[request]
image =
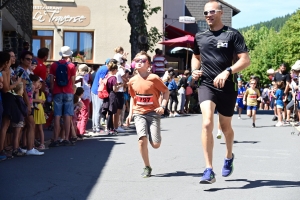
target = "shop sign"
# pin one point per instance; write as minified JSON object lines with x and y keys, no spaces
{"x":60,"y":16}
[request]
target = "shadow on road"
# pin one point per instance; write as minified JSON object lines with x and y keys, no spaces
{"x":243,"y":142}
{"x":67,"y":172}
{"x":178,"y":173}
{"x":258,"y":183}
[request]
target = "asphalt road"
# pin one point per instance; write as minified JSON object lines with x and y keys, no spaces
{"x":108,"y":167}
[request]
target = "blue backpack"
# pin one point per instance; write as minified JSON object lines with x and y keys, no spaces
{"x":62,"y":74}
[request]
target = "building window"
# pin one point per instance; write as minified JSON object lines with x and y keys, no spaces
{"x":202,"y":26}
{"x":81,"y":44}
{"x":42,"y":38}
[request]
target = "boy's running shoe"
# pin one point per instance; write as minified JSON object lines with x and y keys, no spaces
{"x":208,"y":176}
{"x":228,"y":167}
{"x":147,"y":172}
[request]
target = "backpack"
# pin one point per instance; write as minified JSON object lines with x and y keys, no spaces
{"x":102,"y":89}
{"x":62,"y":74}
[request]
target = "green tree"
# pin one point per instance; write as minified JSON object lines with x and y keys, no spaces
{"x":140,"y":37}
{"x":290,"y":39}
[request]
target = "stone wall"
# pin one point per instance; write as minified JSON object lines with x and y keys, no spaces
{"x":21,"y":10}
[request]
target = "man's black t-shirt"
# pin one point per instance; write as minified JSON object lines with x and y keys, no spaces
{"x":285,"y":77}
{"x":217,"y":50}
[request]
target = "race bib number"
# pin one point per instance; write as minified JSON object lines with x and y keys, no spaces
{"x":253,"y":96}
{"x":240,"y":96}
{"x":144,"y":100}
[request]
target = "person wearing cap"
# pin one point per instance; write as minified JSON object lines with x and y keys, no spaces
{"x":82,"y":80}
{"x":32,"y":67}
{"x":62,"y":96}
{"x":96,"y":101}
{"x":282,"y":75}
{"x":159,"y":63}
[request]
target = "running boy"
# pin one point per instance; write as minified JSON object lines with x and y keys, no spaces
{"x":145,"y":89}
{"x":239,"y":100}
{"x":252,"y":94}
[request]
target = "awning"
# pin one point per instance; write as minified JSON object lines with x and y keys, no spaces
{"x":174,"y":32}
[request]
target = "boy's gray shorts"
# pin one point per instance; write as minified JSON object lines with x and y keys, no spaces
{"x":148,"y":125}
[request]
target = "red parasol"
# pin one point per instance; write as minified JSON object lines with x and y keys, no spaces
{"x":185,"y":41}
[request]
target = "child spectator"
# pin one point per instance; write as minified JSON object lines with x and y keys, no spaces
{"x":77,"y":107}
{"x":252,"y":94}
{"x":17,"y":127}
{"x":172,"y":86}
{"x":39,"y":114}
{"x":82,"y":80}
{"x":279,"y":96}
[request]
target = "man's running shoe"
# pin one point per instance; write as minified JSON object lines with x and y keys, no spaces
{"x":147,"y":172}
{"x":219,"y":135}
{"x":228,"y":167}
{"x":274,"y":118}
{"x":239,"y":117}
{"x":279,"y":124}
{"x":208,"y":176}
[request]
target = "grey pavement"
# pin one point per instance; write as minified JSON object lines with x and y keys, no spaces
{"x":108,"y":167}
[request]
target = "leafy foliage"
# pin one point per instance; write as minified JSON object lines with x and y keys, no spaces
{"x":276,"y":23}
{"x":269,"y":48}
{"x":137,"y":19}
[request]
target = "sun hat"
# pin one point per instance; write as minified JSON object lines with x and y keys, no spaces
{"x":296,"y":66}
{"x":270,"y":71}
{"x":65,"y":51}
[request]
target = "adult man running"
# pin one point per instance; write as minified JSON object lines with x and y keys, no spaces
{"x":214,"y":51}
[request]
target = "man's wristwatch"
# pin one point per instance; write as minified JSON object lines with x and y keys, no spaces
{"x":229,"y":70}
{"x":164,"y":107}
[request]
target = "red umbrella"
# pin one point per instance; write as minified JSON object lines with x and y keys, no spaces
{"x":185,"y":41}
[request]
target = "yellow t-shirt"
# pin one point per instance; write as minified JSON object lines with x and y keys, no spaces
{"x":252,"y":95}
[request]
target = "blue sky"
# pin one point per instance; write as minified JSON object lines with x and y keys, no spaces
{"x":255,"y":11}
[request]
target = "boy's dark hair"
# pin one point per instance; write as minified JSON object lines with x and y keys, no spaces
{"x":75,"y":99}
{"x":4,"y":57}
{"x":79,"y":91}
{"x":33,"y":77}
{"x":42,"y":52}
{"x":23,"y":55}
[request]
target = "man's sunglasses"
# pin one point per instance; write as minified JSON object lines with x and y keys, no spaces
{"x":211,"y":12}
{"x":141,"y":60}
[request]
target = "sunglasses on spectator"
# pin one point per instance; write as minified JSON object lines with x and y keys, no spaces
{"x":211,"y":12}
{"x":253,"y":83}
{"x":141,"y":60}
{"x":28,"y":59}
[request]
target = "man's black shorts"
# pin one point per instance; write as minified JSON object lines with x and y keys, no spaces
{"x":224,"y":101}
{"x":120,"y":100}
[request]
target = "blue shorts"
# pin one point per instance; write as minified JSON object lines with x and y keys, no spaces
{"x":63,"y":104}
{"x":251,"y":107}
{"x":239,"y":102}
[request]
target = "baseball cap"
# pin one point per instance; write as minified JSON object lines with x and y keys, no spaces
{"x":296,"y":66}
{"x":107,"y":61}
{"x":34,"y":62}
